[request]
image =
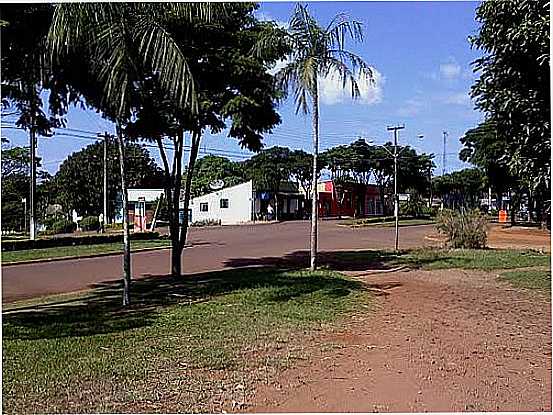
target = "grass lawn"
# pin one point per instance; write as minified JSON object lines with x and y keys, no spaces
{"x":531,"y":279}
{"x":184,"y":341}
{"x":483,"y":259}
{"x":78,"y":250}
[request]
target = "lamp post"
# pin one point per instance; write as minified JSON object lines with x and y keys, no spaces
{"x":395,"y":155}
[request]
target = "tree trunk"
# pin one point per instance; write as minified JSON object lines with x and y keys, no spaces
{"x":194,"y":148}
{"x":32,"y":197}
{"x":314,"y":192}
{"x":126,"y":236}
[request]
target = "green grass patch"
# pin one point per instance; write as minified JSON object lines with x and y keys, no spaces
{"x":85,"y":354}
{"x":482,"y":259}
{"x":78,"y":250}
{"x":531,"y":279}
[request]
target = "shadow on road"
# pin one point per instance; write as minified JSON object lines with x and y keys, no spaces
{"x":335,"y":260}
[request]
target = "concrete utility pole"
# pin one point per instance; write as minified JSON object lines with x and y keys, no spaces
{"x":395,"y":129}
{"x":443,"y":154}
{"x":32,"y":199}
{"x":105,"y":137}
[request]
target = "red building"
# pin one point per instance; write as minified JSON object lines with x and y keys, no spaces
{"x":348,"y":199}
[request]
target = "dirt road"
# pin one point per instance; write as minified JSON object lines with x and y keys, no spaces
{"x":210,"y":249}
{"x":446,"y":341}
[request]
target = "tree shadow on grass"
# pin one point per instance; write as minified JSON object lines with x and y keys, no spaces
{"x":99,"y":311}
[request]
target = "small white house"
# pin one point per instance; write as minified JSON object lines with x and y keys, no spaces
{"x":229,"y":206}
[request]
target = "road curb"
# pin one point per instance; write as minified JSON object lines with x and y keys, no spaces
{"x":66,"y":258}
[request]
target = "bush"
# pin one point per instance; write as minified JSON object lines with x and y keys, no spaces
{"x":206,"y":222}
{"x":73,"y":240}
{"x":90,"y":223}
{"x":114,"y":226}
{"x":465,"y":229}
{"x":62,"y":226}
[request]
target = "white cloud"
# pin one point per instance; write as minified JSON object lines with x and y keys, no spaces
{"x":450,"y":70}
{"x":331,"y":89}
{"x":278,"y":66}
{"x":461,"y":98}
{"x":412,"y":107}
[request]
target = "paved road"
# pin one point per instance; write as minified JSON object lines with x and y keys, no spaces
{"x":210,"y":249}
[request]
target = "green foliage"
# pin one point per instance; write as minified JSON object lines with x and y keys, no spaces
{"x":513,"y":87}
{"x":73,"y":240}
{"x":78,"y":183}
{"x":62,"y":226}
{"x":206,"y":222}
{"x":211,"y":168}
{"x":78,"y":251}
{"x":269,"y":168}
{"x":90,"y":223}
{"x":460,"y":189}
{"x":465,"y":229}
{"x":414,"y":207}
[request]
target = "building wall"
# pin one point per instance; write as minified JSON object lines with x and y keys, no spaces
{"x":239,"y":208}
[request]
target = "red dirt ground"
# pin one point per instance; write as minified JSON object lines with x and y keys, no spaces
{"x":437,"y":341}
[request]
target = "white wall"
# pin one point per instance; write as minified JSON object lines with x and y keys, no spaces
{"x":150,"y":195}
{"x":239,"y":205}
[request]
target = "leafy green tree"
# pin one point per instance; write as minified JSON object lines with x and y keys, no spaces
{"x":484,"y":148}
{"x":269,"y":168}
{"x":115,"y":47}
{"x":26,"y":71}
{"x":301,"y":171}
{"x":211,"y":168}
{"x":513,"y":87}
{"x":315,"y":52}
{"x":233,"y":89}
{"x":16,"y":178}
{"x":460,"y":189}
{"x":78,"y":185}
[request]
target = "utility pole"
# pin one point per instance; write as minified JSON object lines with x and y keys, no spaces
{"x":32,"y":201}
{"x":395,"y":129}
{"x":443,"y":154}
{"x":105,"y":137}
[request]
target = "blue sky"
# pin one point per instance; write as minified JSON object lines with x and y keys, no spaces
{"x":421,"y":59}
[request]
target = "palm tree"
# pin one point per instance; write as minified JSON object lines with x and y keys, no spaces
{"x":315,"y":52}
{"x":124,"y":43}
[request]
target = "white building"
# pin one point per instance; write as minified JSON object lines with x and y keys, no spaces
{"x":142,"y":204}
{"x":229,"y":206}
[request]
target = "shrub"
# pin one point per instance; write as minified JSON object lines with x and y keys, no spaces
{"x":90,"y":223}
{"x":465,"y":229}
{"x":22,"y":244}
{"x":114,"y":226}
{"x":63,"y":226}
{"x":206,"y":222}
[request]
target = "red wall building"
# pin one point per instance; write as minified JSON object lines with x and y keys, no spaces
{"x":349,"y":199}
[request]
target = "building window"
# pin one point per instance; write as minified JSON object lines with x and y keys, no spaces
{"x":203,"y":207}
{"x":223,"y":203}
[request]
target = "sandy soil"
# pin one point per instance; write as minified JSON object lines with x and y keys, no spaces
{"x":519,"y":237}
{"x":436,"y":341}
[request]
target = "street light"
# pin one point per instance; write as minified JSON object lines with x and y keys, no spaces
{"x":395,"y":154}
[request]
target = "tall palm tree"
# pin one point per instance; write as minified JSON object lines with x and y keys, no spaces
{"x":315,"y":52}
{"x":124,"y":43}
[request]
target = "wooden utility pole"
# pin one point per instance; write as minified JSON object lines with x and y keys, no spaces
{"x":395,"y":129}
{"x":444,"y":153}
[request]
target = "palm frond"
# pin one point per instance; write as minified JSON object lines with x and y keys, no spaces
{"x":165,"y":58}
